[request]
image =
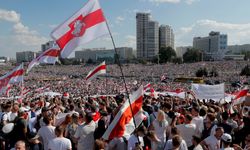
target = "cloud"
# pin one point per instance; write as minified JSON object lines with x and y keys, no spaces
{"x":237,"y":33}
{"x":10,"y":16}
{"x":165,"y":1}
{"x":119,"y":19}
{"x":21,"y":38}
{"x":189,"y":2}
{"x":130,"y":41}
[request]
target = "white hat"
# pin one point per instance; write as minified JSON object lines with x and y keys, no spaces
{"x":8,"y":127}
{"x":226,"y":137}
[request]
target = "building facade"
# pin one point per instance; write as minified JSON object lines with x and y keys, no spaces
{"x":166,"y":36}
{"x":101,"y":54}
{"x":182,"y":50}
{"x":213,"y":46}
{"x":238,"y":49}
{"x":147,"y":36}
{"x":25,"y":56}
{"x":47,"y":45}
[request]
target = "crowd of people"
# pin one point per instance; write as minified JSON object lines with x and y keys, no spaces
{"x":79,"y":117}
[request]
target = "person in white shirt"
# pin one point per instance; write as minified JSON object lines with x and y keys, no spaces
{"x":160,"y":125}
{"x":213,"y":141}
{"x":47,"y":133}
{"x":187,"y":130}
{"x":226,"y":140}
{"x":138,"y":134}
{"x":176,"y":143}
{"x":197,"y":120}
{"x":85,"y":133}
{"x":172,"y":143}
{"x":60,"y":142}
{"x":196,"y":143}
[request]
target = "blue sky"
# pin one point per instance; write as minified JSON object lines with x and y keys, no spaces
{"x":26,"y":24}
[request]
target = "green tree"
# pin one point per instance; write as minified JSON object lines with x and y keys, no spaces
{"x":202,"y":72}
{"x":192,"y":55}
{"x":213,"y":72}
{"x":247,"y":55}
{"x":90,"y":61}
{"x":245,"y":71}
{"x":166,"y":54}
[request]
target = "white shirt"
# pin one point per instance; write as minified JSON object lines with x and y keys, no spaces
{"x":160,"y":129}
{"x":13,"y":116}
{"x":198,"y":147}
{"x":47,"y":134}
{"x":85,"y":135}
{"x":169,"y":145}
{"x":212,"y":142}
{"x":133,"y":140}
{"x":60,"y":143}
{"x":198,"y":121}
{"x":187,"y":131}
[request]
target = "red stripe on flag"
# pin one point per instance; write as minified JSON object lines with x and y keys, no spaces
{"x":102,"y":67}
{"x":125,"y":118}
{"x":16,"y":73}
{"x":90,"y":20}
{"x":241,"y":94}
{"x":52,"y":53}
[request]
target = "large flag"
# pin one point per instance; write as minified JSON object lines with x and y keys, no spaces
{"x":49,"y":56}
{"x":14,"y":76}
{"x":84,"y":26}
{"x":123,"y":125}
{"x":147,"y":87}
{"x":100,"y":69}
{"x":240,"y":96}
{"x":215,"y":92}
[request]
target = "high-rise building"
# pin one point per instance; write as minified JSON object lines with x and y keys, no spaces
{"x":25,"y":56}
{"x":47,"y":45}
{"x":166,"y":36}
{"x":213,"y":46}
{"x":147,"y":36}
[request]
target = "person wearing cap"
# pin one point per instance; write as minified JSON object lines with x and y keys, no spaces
{"x":139,"y":133}
{"x":226,"y":141}
{"x":44,"y":114}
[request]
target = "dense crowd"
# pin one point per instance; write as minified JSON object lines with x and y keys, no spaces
{"x":78,"y":118}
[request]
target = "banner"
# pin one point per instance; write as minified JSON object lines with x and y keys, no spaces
{"x":215,"y":92}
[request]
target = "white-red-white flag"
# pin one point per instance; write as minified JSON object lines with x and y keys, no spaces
{"x":123,"y":125}
{"x":100,"y":69}
{"x":49,"y":56}
{"x":84,"y":26}
{"x":14,"y":76}
{"x":147,"y":87}
{"x":240,"y":96}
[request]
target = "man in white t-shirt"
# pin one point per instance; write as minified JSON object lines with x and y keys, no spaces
{"x":85,"y":133}
{"x":60,"y":142}
{"x":197,"y":120}
{"x":47,"y":133}
{"x":213,"y":141}
{"x":187,"y":130}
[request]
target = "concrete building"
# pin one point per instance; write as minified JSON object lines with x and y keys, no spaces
{"x":101,"y":54}
{"x":214,"y":46}
{"x":181,"y":50}
{"x":166,"y":36}
{"x":25,"y":56}
{"x":147,"y":36}
{"x":237,"y":49}
{"x":47,"y":45}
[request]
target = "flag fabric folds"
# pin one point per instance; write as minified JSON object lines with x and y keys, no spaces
{"x":14,"y":76}
{"x":49,"y":56}
{"x":240,"y":96}
{"x":84,"y":26}
{"x":100,"y":69}
{"x":147,"y":87}
{"x":123,"y":125}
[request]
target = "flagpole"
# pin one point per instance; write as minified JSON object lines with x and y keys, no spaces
{"x":123,"y":78}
